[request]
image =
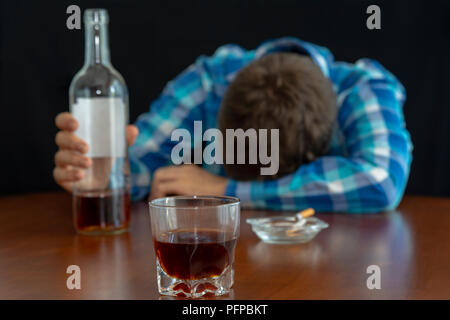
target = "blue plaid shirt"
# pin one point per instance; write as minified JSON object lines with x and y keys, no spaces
{"x":365,"y":170}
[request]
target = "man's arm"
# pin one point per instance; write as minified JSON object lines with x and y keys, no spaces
{"x":178,"y":106}
{"x":181,"y":103}
{"x":372,"y":177}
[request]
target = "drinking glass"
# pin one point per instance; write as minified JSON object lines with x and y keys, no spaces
{"x":194,"y":239}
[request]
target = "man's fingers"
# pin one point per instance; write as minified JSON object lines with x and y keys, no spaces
{"x":167,"y":173}
{"x":65,"y":175}
{"x":68,"y":140}
{"x":65,"y":158}
{"x":66,"y":121}
{"x":165,"y":189}
{"x":68,"y":186}
{"x":132,"y":132}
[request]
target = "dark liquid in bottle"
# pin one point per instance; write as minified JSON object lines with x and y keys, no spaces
{"x":102,"y":213}
{"x":190,"y":255}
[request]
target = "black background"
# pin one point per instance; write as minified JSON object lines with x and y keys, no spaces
{"x":152,"y":41}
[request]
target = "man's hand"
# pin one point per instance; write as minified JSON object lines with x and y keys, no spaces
{"x":70,"y":161}
{"x":186,"y":179}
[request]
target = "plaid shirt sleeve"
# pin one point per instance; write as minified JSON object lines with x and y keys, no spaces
{"x":178,"y":106}
{"x":191,"y":96}
{"x":371,"y":174}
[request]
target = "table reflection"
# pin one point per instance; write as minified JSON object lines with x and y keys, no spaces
{"x":350,"y":243}
{"x":104,"y":260}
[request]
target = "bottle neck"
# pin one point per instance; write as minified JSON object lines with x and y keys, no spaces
{"x":96,"y":44}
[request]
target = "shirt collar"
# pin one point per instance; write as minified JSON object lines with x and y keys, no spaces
{"x":320,"y":55}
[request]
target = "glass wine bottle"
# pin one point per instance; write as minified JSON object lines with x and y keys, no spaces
{"x":99,"y":101}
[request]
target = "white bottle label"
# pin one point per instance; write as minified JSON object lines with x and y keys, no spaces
{"x":101,"y":123}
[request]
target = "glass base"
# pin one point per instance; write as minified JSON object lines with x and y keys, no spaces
{"x":207,"y":287}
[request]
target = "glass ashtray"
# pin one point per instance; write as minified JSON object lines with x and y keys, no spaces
{"x":286,"y":230}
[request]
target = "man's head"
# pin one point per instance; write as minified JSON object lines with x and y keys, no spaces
{"x":284,"y":91}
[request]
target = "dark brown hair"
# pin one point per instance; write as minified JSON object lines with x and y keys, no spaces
{"x":286,"y":91}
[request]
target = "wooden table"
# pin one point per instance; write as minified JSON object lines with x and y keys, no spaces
{"x":410,"y":245}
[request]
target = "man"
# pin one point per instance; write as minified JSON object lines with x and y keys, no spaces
{"x":357,"y":161}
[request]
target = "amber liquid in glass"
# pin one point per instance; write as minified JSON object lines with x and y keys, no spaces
{"x":102,"y":213}
{"x":189,"y":255}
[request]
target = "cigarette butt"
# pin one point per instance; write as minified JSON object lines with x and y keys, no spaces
{"x":307,"y":212}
